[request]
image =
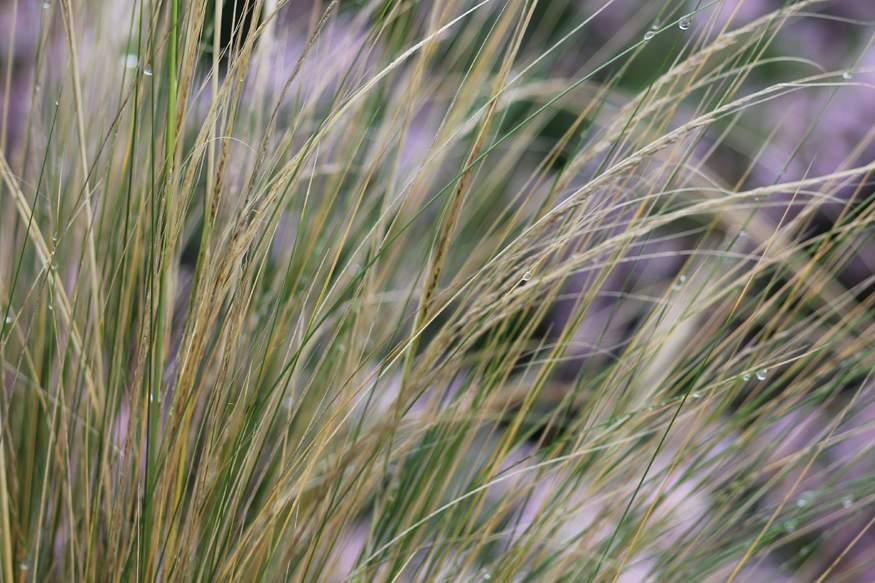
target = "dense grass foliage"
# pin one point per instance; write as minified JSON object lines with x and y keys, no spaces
{"x":506,"y":290}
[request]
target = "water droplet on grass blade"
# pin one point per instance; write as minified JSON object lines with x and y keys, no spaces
{"x":761,"y":374}
{"x":147,"y":72}
{"x":649,"y":34}
{"x":805,"y":499}
{"x":685,"y":22}
{"x":847,"y":502}
{"x":131,"y":61}
{"x":746,"y":377}
{"x":847,"y":75}
{"x":527,"y":276}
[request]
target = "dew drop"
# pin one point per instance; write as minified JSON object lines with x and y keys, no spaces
{"x":805,"y":499}
{"x":847,"y":502}
{"x":9,"y":320}
{"x":696,"y":395}
{"x":761,"y":374}
{"x":685,"y":22}
{"x":847,"y":75}
{"x":790,"y":525}
{"x":746,"y":377}
{"x":47,"y":4}
{"x":649,"y":34}
{"x":147,"y":71}
{"x":527,"y":276}
{"x":131,"y":61}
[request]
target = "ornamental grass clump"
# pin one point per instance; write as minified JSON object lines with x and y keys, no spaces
{"x":506,"y":290}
